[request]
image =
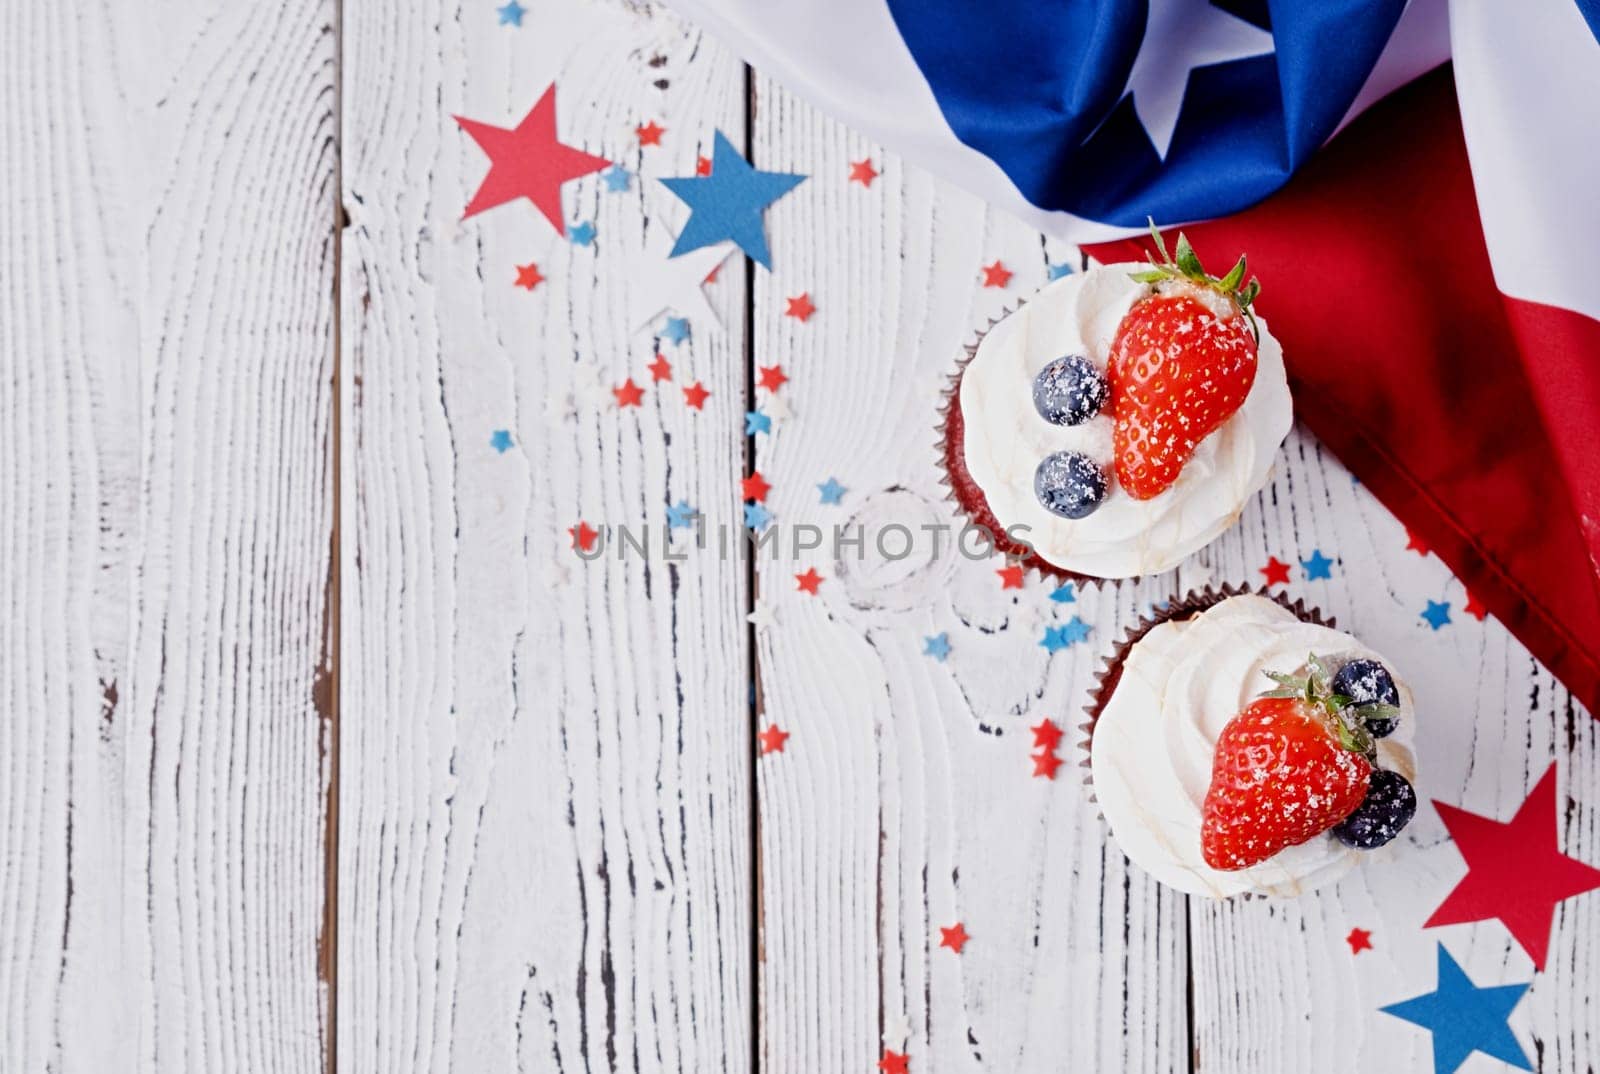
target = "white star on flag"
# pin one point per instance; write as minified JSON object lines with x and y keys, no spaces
{"x":1180,"y":35}
{"x":660,"y":283}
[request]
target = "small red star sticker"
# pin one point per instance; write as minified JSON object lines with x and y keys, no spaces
{"x":583,"y":536}
{"x":660,"y":369}
{"x":528,"y":276}
{"x":755,"y":487}
{"x":711,"y":277}
{"x":702,"y":166}
{"x":772,"y":377}
{"x":1515,"y":870}
{"x":801,"y":308}
{"x":996,"y":275}
{"x":862,"y":171}
{"x":1359,"y":940}
{"x":772,"y":739}
{"x":650,"y":133}
{"x":1010,"y":577}
{"x":893,"y":1062}
{"x":1276,"y":571}
{"x":695,"y":395}
{"x":955,"y":937}
{"x":1475,"y":607}
{"x":528,"y":161}
{"x":1046,"y":735}
{"x":628,"y":393}
{"x":1415,"y":543}
{"x":809,"y":581}
{"x":1045,"y":764}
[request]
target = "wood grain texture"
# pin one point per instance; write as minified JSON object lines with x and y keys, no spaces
{"x":545,"y":763}
{"x":166,"y":346}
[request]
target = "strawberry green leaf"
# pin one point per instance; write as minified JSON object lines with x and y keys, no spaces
{"x":1231,"y":281}
{"x":1187,"y":260}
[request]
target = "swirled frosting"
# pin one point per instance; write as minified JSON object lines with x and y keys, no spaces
{"x":1006,"y":438}
{"x":1153,"y":742}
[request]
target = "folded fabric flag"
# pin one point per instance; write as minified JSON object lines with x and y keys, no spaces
{"x":1425,"y":241}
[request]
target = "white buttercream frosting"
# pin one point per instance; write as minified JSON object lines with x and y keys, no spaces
{"x":1153,"y":743}
{"x":1006,"y":438}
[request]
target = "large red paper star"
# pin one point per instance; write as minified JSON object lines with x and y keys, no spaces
{"x":528,"y":276}
{"x":1515,"y":870}
{"x":1010,"y":577}
{"x":754,"y":487}
{"x":996,"y":275}
{"x":1046,"y":735}
{"x":628,"y":393}
{"x":862,"y":171}
{"x":772,"y":377}
{"x":893,"y":1062}
{"x":528,"y":161}
{"x":801,"y":308}
{"x":1359,"y":940}
{"x":696,"y":395}
{"x":809,"y":581}
{"x":583,"y":536}
{"x":772,"y":739}
{"x":1276,"y":571}
{"x":955,"y":937}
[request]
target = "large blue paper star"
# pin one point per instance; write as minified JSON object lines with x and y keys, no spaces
{"x":1464,"y":1018}
{"x":1317,"y":566}
{"x":728,"y":203}
{"x":1436,"y":613}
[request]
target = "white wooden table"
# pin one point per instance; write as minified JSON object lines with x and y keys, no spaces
{"x":320,"y":750}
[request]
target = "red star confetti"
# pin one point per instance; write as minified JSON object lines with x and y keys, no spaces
{"x":893,"y":1062}
{"x":1276,"y":571}
{"x":660,"y":369}
{"x":955,"y":937}
{"x":650,"y":133}
{"x":702,"y":166}
{"x":862,"y":171}
{"x":772,"y":377}
{"x":1045,"y":764}
{"x":583,"y":536}
{"x":628,"y":393}
{"x":772,"y":739}
{"x":1010,"y":577}
{"x":695,"y":395}
{"x":711,"y":277}
{"x":1359,"y":940}
{"x":1415,"y":543}
{"x":1046,"y":735}
{"x":755,"y":487}
{"x":528,"y":161}
{"x":1475,"y":608}
{"x":801,"y":308}
{"x":528,"y":276}
{"x":996,"y":275}
{"x":809,"y":581}
{"x":1515,"y":870}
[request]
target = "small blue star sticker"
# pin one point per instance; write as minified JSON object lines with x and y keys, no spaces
{"x":1063,"y":594}
{"x":1464,"y":1018}
{"x":616,"y":178}
{"x":1069,"y":633}
{"x":831,"y":490}
{"x":937,"y":646}
{"x":681,"y":516}
{"x":676,"y":331}
{"x":582,"y":234}
{"x":1055,"y":272}
{"x":1437,"y":614}
{"x":511,"y":13}
{"x":756,"y":422}
{"x":500,"y":440}
{"x":728,"y":203}
{"x":1317,"y":566}
{"x":756,"y":516}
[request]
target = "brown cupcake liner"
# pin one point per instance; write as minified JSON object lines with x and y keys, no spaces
{"x":1178,"y":608}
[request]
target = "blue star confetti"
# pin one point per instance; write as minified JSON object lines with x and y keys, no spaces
{"x":831,"y":491}
{"x":616,"y":178}
{"x":681,"y":516}
{"x":1055,"y":272}
{"x":582,"y":234}
{"x":756,"y":422}
{"x":500,"y":440}
{"x":1437,"y":614}
{"x":728,"y":204}
{"x":1318,"y":566}
{"x":1067,"y":634}
{"x":676,"y":331}
{"x":937,"y":646}
{"x":1464,"y":1018}
{"x":756,"y":517}
{"x":1063,"y":594}
{"x":511,"y":13}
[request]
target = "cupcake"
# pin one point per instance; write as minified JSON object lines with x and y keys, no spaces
{"x":1239,"y":743}
{"x":1119,"y":420}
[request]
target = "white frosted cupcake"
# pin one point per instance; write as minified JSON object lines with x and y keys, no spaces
{"x":1241,"y":744}
{"x":1120,"y":420}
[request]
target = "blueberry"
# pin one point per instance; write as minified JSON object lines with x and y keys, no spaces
{"x":1069,"y":391}
{"x":1069,"y":484}
{"x":1365,"y":681}
{"x":1389,"y":806}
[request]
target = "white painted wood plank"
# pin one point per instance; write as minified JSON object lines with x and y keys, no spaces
{"x":166,"y":341}
{"x":904,"y":801}
{"x":544,"y":853}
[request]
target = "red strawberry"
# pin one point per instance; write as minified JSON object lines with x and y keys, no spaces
{"x":1285,"y":769}
{"x":1182,"y":362}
